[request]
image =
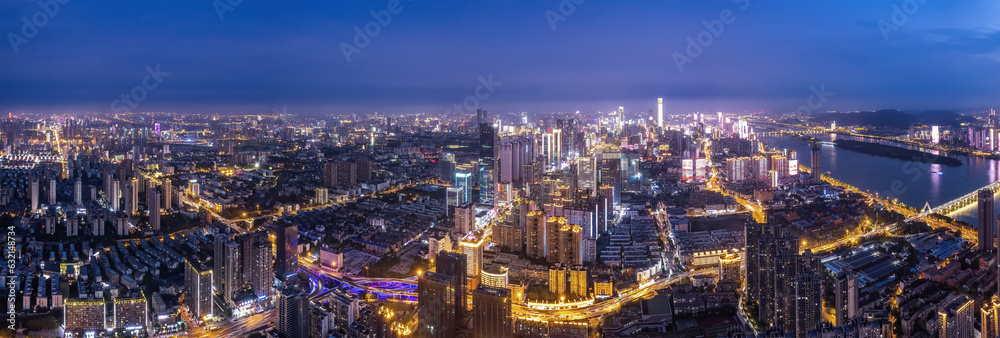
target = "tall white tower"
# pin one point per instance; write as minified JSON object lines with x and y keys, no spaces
{"x":659,"y":112}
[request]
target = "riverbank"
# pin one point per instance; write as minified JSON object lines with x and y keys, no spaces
{"x":896,"y":152}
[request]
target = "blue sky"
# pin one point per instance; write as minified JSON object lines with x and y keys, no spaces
{"x":268,"y":54}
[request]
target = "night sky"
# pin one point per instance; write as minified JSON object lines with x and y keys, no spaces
{"x":267,"y":55}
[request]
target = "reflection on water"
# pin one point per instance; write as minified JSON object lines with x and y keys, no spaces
{"x":913,"y":183}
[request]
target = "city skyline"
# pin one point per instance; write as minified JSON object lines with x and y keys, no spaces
{"x":260,"y":57}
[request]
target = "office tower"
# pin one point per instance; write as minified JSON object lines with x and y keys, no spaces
{"x":621,"y":116}
{"x":293,"y":313}
{"x":491,"y":311}
{"x":130,"y":313}
{"x":578,"y":283}
{"x":986,"y":228}
{"x":78,"y":192}
{"x":506,"y":161}
{"x":465,"y":219}
{"x":956,"y":317}
{"x":435,"y":305}
{"x":586,"y":174}
{"x":659,"y":112}
{"x":154,"y":210}
{"x":84,"y":314}
{"x":286,"y":263}
{"x":256,"y":258}
{"x":52,"y":191}
{"x":168,"y":194}
{"x":488,"y":154}
{"x":814,"y":163}
{"x":198,"y":288}
{"x":456,"y":265}
{"x":34,"y":195}
{"x":535,"y":232}
{"x":447,"y":167}
{"x":557,"y":279}
{"x":226,"y":272}
{"x":729,"y":268}
{"x":990,"y":317}
{"x":455,"y":196}
{"x":845,"y":298}
{"x":463,"y":181}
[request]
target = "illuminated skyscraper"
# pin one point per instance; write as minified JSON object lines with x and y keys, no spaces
{"x":198,"y":288}
{"x":659,"y":112}
{"x":455,"y":264}
{"x":286,"y":264}
{"x":34,"y":195}
{"x":435,"y":305}
{"x":986,"y":227}
{"x":956,"y":317}
{"x":491,"y":311}
{"x":293,"y":313}
{"x":488,"y":154}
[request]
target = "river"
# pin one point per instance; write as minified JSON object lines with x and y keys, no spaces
{"x":913,"y":183}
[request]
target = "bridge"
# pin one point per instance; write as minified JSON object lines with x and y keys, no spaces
{"x":789,"y":132}
{"x":955,"y":204}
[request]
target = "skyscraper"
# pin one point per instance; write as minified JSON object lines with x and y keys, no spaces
{"x":286,"y":264}
{"x":659,"y":112}
{"x":435,"y":305}
{"x":956,"y":317}
{"x":488,"y":153}
{"x":845,"y":298}
{"x":456,"y":265}
{"x":491,"y":312}
{"x":293,"y":313}
{"x":986,"y":228}
{"x":226,"y":272}
{"x":52,"y":191}
{"x":783,"y":284}
{"x":256,"y":262}
{"x":78,"y":192}
{"x":34,"y":195}
{"x":814,"y":164}
{"x":198,"y":288}
{"x":154,"y":210}
{"x":168,"y":194}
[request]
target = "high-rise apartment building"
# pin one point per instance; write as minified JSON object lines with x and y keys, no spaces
{"x":986,"y":227}
{"x":491,"y":312}
{"x":435,"y":306}
{"x":198,"y":288}
{"x":293,"y":313}
{"x":845,"y":295}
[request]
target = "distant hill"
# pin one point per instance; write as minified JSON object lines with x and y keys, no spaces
{"x":894,"y":119}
